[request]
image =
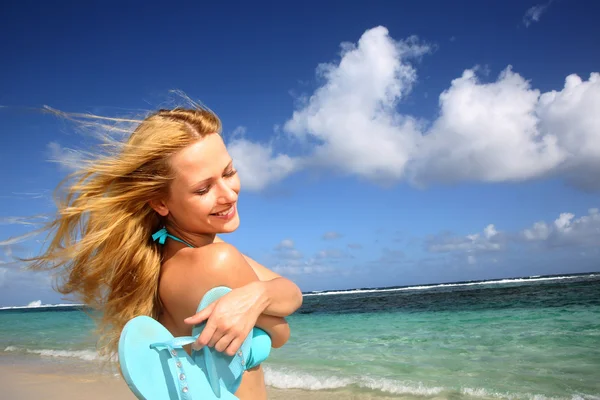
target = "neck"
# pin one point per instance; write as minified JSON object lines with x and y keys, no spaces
{"x":195,"y":239}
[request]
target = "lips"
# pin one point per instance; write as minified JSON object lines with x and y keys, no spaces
{"x":225,"y":214}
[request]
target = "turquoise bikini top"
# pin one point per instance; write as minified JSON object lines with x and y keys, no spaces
{"x":162,"y":236}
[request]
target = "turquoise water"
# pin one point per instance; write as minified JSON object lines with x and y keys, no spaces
{"x":532,"y":339}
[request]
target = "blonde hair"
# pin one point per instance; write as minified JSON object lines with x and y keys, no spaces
{"x":100,"y":240}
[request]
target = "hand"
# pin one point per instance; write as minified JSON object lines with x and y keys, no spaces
{"x":230,"y":319}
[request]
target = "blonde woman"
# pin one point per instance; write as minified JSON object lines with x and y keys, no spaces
{"x":173,"y":173}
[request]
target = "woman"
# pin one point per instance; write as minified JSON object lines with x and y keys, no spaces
{"x":173,"y":172}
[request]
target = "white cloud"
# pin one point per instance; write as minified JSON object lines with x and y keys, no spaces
{"x":497,"y":131}
{"x":352,"y":116}
{"x":258,"y":165}
{"x":534,"y":13}
{"x":489,"y":240}
{"x":571,"y":116}
{"x":566,"y":230}
{"x":486,"y":132}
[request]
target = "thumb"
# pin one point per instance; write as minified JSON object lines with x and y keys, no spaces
{"x":201,"y":316}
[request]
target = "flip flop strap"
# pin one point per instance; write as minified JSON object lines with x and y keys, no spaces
{"x":172,"y":345}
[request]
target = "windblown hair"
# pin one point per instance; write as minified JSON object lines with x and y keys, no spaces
{"x":100,"y":240}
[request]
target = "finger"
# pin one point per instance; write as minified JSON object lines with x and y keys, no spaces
{"x":234,"y":346}
{"x":216,"y":337}
{"x":223,"y":343}
{"x":205,"y":336}
{"x":201,"y":316}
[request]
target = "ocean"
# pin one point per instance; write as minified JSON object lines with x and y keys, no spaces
{"x":524,"y":338}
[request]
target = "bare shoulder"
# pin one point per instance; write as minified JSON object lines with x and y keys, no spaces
{"x":219,"y":264}
{"x":187,"y":276}
{"x":218,"y":256}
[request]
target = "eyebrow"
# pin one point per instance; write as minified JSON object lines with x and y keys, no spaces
{"x":207,"y":180}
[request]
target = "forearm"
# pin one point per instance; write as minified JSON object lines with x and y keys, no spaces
{"x":279,"y":297}
{"x":276,"y":327}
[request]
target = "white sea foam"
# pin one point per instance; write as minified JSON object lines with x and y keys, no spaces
{"x":38,"y":304}
{"x":284,"y":379}
{"x":443,"y":285}
{"x":288,"y":379}
{"x":86,"y":355}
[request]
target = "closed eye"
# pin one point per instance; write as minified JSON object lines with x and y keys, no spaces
{"x":205,"y":190}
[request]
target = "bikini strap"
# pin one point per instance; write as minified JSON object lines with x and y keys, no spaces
{"x":162,"y":235}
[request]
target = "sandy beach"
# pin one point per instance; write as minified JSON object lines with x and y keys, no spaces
{"x":32,"y":378}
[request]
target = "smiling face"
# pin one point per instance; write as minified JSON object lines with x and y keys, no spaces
{"x":203,"y":196}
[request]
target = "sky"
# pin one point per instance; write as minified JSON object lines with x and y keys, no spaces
{"x":378,"y":144}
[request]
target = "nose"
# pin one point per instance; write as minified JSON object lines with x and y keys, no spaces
{"x":226,"y":194}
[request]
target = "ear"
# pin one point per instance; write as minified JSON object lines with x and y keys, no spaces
{"x":160,"y":207}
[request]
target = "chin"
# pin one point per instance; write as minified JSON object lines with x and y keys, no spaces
{"x":231,"y":226}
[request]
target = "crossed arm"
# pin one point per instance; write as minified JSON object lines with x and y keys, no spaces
{"x":263,"y":298}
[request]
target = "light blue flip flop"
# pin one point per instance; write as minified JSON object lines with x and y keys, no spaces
{"x":156,"y":367}
{"x":224,"y":372}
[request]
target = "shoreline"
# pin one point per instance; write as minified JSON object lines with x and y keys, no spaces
{"x":30,"y":377}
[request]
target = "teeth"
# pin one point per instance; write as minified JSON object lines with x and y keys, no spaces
{"x":224,"y":212}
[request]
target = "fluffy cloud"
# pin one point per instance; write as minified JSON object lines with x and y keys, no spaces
{"x":486,"y":132}
{"x":497,"y":131}
{"x":352,"y":116}
{"x":507,"y":131}
{"x":258,"y":165}
{"x":566,"y":230}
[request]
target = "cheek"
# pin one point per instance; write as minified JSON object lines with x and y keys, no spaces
{"x":204,"y":204}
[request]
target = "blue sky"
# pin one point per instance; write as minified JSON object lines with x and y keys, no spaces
{"x":379,"y":144}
